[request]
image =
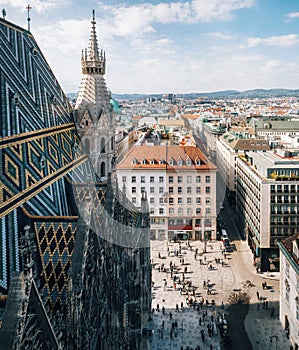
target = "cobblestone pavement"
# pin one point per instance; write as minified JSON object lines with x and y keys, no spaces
{"x":225,"y":274}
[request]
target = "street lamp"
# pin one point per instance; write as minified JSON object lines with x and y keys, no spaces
{"x":276,"y":338}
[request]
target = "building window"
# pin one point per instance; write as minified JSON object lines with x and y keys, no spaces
{"x":197,"y":161}
{"x":161,"y":179}
{"x":208,"y":189}
{"x":188,"y":162}
{"x":133,"y":189}
{"x":134,"y":161}
{"x":189,"y":179}
{"x":287,"y":269}
{"x":170,"y":179}
{"x":161,"y":211}
{"x":133,"y":199}
{"x":170,"y":211}
{"x":152,"y":189}
{"x":208,"y":210}
{"x":197,"y":211}
{"x":198,"y":201}
{"x":189,"y":211}
{"x":143,"y":161}
{"x":208,"y":179}
{"x":208,"y":222}
{"x":152,"y":200}
{"x":152,"y":161}
{"x":170,"y":190}
{"x":161,"y":200}
{"x":287,"y":289}
{"x":171,"y":161}
{"x":152,"y":179}
{"x":142,"y":189}
{"x":198,"y":178}
{"x":142,"y":179}
{"x":180,"y":200}
{"x":180,"y":162}
{"x":124,"y":179}
{"x":161,"y":189}
{"x":197,"y":189}
{"x":189,"y":191}
{"x":152,"y":211}
{"x":171,"y":201}
{"x":161,"y":161}
{"x":180,"y":211}
{"x":180,"y":178}
{"x":189,"y":201}
{"x":180,"y":190}
{"x":133,"y":179}
{"x":208,"y":200}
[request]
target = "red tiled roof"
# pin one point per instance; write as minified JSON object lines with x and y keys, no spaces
{"x":146,"y":154}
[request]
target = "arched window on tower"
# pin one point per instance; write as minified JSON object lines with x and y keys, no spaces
{"x":103,"y":169}
{"x":103,"y":148}
{"x":87,"y":147}
{"x":112,"y":144}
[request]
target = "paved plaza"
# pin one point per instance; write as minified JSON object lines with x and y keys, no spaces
{"x":192,"y":284}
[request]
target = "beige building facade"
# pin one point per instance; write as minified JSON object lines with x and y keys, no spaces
{"x":179,"y":183}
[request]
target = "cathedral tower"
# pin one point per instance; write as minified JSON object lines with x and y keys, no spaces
{"x":95,"y":122}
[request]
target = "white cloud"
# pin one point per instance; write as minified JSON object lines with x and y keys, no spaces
{"x":38,"y":6}
{"x":293,"y":15}
{"x":218,"y":10}
{"x":138,"y":19}
{"x":222,"y":36}
{"x":280,"y":40}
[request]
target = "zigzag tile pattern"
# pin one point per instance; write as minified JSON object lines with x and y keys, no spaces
{"x":39,"y":145}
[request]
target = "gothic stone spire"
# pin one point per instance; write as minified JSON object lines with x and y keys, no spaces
{"x":93,"y":61}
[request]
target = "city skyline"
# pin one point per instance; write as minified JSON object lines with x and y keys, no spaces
{"x":180,"y":47}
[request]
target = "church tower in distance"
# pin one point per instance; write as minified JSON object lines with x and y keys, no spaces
{"x":93,"y":110}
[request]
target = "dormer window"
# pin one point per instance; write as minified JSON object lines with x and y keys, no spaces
{"x":161,"y":161}
{"x":188,"y":162}
{"x":134,"y":161}
{"x":180,"y":162}
{"x":197,"y":161}
{"x":152,"y":161}
{"x":144,"y":161}
{"x":171,"y":161}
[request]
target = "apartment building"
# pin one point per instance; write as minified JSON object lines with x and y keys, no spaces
{"x":267,"y":201}
{"x":289,"y":288}
{"x":228,"y":147}
{"x":179,"y":182}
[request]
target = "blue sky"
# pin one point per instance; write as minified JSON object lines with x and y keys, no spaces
{"x":170,"y":46}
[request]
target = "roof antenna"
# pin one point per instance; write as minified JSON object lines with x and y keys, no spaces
{"x":3,"y":13}
{"x":28,"y":8}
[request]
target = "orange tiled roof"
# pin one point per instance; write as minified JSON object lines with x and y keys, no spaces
{"x":149,"y":157}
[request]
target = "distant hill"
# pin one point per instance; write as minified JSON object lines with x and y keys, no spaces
{"x":255,"y":93}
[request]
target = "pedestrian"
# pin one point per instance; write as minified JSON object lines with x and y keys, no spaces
{"x":258,"y":295}
{"x":272,"y":312}
{"x":199,"y":321}
{"x":157,"y":307}
{"x":163,"y":310}
{"x":177,"y":308}
{"x":159,"y":255}
{"x":182,"y":305}
{"x":170,"y":316}
{"x":266,"y":304}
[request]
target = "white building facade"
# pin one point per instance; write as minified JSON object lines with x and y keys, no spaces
{"x":267,"y":202}
{"x":179,"y":183}
{"x":289,"y":288}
